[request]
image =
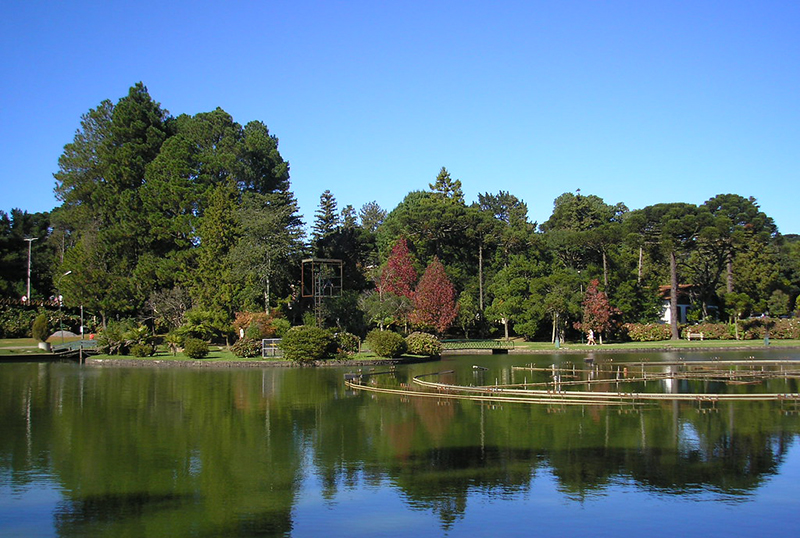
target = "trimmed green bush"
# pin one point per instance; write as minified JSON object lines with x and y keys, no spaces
{"x":40,"y":328}
{"x":419,"y":343}
{"x":306,"y":344}
{"x":386,"y":343}
{"x":247,"y":348}
{"x":281,"y":325}
{"x":142,"y":350}
{"x":348,"y":343}
{"x":194,"y":348}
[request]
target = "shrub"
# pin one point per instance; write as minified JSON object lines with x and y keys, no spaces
{"x":281,"y":325}
{"x":257,"y":325}
{"x":203,"y":325}
{"x":756,"y":328}
{"x":306,"y":343}
{"x":142,"y":350}
{"x":120,"y":336}
{"x":348,"y":343}
{"x":419,"y":343}
{"x":254,"y":332}
{"x":40,"y":328}
{"x":247,"y":347}
{"x":16,"y":321}
{"x":711,"y":331}
{"x":194,"y":348}
{"x":386,"y":343}
{"x":647,"y":332}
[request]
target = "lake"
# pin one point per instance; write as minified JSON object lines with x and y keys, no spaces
{"x":202,"y":452}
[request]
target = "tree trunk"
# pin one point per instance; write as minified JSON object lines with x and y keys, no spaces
{"x":729,"y":266}
{"x":673,"y":296}
{"x":639,"y":275}
{"x":480,"y":277}
{"x":505,"y":326}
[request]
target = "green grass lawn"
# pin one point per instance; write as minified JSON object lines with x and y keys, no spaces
{"x":662,"y":344}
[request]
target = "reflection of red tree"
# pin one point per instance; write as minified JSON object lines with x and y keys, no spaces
{"x":435,"y":415}
{"x":401,"y":436}
{"x":241,"y":398}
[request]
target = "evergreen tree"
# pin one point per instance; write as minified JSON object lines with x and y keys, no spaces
{"x":447,"y":188}
{"x":348,"y":217}
{"x":372,"y":216}
{"x":218,"y":233}
{"x":326,"y":217}
{"x":270,"y":248}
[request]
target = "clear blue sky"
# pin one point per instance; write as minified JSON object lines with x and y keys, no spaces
{"x":635,"y":101}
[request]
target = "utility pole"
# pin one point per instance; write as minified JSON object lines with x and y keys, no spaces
{"x":30,"y":241}
{"x":60,"y":300}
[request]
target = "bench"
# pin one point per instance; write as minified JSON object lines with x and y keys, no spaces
{"x":690,"y":335}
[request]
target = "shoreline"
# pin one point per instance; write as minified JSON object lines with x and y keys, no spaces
{"x":272,"y":363}
{"x":200,"y":363}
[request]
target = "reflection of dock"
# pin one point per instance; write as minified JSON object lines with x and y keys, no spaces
{"x":565,"y":383}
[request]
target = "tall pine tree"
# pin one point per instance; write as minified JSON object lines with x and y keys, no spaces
{"x":326,"y":218}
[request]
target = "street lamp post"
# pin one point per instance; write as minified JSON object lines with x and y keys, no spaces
{"x":60,"y":300}
{"x":30,"y":241}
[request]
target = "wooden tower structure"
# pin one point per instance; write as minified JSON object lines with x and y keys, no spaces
{"x":321,"y":278}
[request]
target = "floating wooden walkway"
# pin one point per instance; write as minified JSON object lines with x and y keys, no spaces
{"x":555,"y":391}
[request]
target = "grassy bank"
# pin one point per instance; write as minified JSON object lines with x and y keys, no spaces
{"x":663,"y":345}
{"x":18,"y":346}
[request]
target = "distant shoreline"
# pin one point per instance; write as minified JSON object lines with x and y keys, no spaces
{"x":573,"y":349}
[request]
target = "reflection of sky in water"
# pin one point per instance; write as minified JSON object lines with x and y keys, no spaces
{"x":27,"y":511}
{"x":623,"y":508}
{"x":379,"y":508}
{"x":689,"y":438}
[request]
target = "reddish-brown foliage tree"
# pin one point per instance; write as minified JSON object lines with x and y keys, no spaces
{"x":598,"y":313}
{"x":399,"y":275}
{"x":435,"y":305}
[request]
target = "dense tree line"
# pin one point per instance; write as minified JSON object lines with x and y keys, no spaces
{"x":163,"y":215}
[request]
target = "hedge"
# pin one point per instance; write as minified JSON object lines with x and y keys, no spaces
{"x":749,"y":329}
{"x":419,"y":343}
{"x":386,"y":343}
{"x":194,"y":348}
{"x":307,"y":343}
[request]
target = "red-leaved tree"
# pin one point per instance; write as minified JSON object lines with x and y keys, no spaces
{"x":435,"y":305}
{"x":598,"y":313}
{"x":399,"y":276}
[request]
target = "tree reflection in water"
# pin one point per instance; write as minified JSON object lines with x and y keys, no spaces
{"x":148,"y":451}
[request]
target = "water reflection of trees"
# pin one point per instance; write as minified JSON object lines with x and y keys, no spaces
{"x":227,"y":449}
{"x":439,"y":452}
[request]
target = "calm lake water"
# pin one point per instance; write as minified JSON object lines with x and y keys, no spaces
{"x":110,"y":451}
